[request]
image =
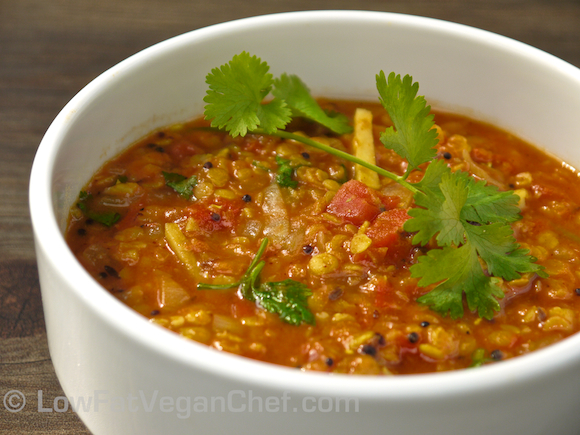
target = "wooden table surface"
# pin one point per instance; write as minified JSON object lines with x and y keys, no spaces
{"x":50,"y":49}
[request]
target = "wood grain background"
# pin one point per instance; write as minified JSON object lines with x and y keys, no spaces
{"x":50,"y":49}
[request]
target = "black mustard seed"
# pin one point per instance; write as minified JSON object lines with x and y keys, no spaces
{"x":111,"y":271}
{"x":381,"y":341}
{"x":496,"y":355}
{"x":369,"y":349}
{"x":413,"y":337}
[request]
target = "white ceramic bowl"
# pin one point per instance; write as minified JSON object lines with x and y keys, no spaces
{"x":134,"y":377}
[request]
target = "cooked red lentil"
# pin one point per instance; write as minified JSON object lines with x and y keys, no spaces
{"x":339,"y":237}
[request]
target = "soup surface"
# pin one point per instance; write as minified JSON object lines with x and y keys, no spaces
{"x":187,"y":205}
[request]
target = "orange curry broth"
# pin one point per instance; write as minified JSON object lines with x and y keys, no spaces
{"x":367,"y":319}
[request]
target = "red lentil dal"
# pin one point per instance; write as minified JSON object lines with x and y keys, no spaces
{"x":355,"y":260}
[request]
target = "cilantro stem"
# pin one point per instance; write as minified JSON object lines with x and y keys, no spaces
{"x":286,"y":298}
{"x":206,"y":286}
{"x":337,"y":153}
{"x":250,"y":280}
{"x":244,"y":279}
{"x":259,"y":253}
{"x":342,"y":155}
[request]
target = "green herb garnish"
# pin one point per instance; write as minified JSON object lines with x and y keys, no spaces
{"x":290,"y":89}
{"x":478,"y":358}
{"x":286,"y":298}
{"x":285,"y":173}
{"x":414,"y":139}
{"x":106,"y":218}
{"x":180,"y":183}
{"x":238,"y":88}
{"x":469,"y":220}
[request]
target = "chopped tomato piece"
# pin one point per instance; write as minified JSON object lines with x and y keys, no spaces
{"x":481,"y":155}
{"x":209,"y":219}
{"x":546,"y":192}
{"x":356,"y":203}
{"x":386,"y":228}
{"x":183,"y":148}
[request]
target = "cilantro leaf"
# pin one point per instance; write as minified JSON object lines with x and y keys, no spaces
{"x":458,"y":271}
{"x":235,"y":95}
{"x":297,"y":95}
{"x":487,"y":204}
{"x":285,"y":173}
{"x":286,"y":298}
{"x":497,"y":246}
{"x":107,"y":218}
{"x":431,"y":180}
{"x":431,"y":218}
{"x":180,"y":183}
{"x":414,"y":138}
{"x":455,"y":195}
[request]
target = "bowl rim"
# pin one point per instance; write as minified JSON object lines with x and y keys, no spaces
{"x":195,"y":356}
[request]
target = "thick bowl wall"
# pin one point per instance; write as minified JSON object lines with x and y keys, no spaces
{"x":126,"y":375}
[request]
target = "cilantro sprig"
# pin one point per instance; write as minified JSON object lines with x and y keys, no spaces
{"x":288,"y":298}
{"x":467,"y":221}
{"x":236,"y":99}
